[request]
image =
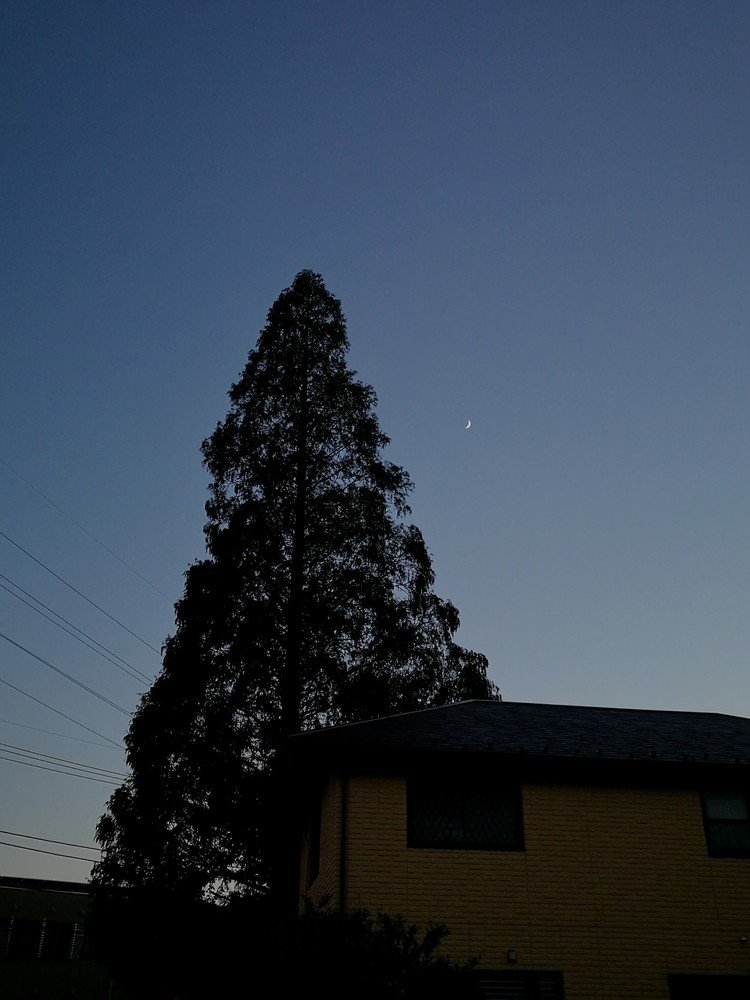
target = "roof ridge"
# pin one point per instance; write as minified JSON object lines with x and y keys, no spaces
{"x":394,"y":715}
{"x":617,"y":708}
{"x":531,"y":704}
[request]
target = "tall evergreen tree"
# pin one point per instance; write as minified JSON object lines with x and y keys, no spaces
{"x":314,"y":605}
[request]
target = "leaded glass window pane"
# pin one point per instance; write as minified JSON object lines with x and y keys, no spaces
{"x":727,"y":823}
{"x":726,"y":805}
{"x":437,"y":816}
{"x":489,"y":818}
{"x":452,"y":814}
{"x":729,"y":835}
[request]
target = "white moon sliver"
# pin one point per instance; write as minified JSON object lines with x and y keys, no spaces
{"x":468,"y":425}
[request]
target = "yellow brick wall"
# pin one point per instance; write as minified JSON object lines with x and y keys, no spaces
{"x":327,"y":882}
{"x":614,"y":887}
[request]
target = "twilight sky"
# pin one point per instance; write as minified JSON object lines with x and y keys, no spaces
{"x":536,"y":215}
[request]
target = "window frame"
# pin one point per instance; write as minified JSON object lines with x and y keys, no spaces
{"x":531,"y":981}
{"x":31,"y":929}
{"x":717,"y":851}
{"x":459,"y":785}
{"x":694,"y":986}
{"x":57,"y":940}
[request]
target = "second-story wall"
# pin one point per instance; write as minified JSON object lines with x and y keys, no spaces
{"x":613,"y":886}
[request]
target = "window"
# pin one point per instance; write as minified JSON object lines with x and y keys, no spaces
{"x":57,"y":942}
{"x":24,"y":939}
{"x":79,"y":947}
{"x":49,"y":940}
{"x":520,"y":985}
{"x":469,"y":816}
{"x":727,"y":823}
{"x":5,"y":923}
{"x":684,"y":987}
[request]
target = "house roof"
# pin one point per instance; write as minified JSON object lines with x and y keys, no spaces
{"x":45,"y":884}
{"x":565,"y":731}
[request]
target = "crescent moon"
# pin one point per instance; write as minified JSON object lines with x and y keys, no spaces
{"x":468,"y":425}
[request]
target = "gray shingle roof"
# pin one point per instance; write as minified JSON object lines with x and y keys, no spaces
{"x":548,"y":730}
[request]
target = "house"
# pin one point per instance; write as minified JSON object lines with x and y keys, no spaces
{"x":580,"y":852}
{"x":42,"y":924}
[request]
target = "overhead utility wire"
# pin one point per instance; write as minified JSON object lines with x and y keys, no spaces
{"x":73,"y":680}
{"x":71,"y":770}
{"x":46,"y":765}
{"x":58,"y":712}
{"x":38,"y":850}
{"x":50,"y":765}
{"x":49,"y":758}
{"x":46,"y":840}
{"x":49,"y":732}
{"x":81,"y":631}
{"x":55,"y":770}
{"x":84,"y":530}
{"x":75,"y":591}
{"x":128,"y":669}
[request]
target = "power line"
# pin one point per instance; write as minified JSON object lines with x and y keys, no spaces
{"x":48,"y":758}
{"x":132,"y":671}
{"x":46,"y":840}
{"x":38,"y":850}
{"x":75,"y":591}
{"x":58,"y":712}
{"x":54,"y":770}
{"x":49,"y":732}
{"x":57,"y":614}
{"x":69,"y":677}
{"x":84,"y":530}
{"x":51,"y":765}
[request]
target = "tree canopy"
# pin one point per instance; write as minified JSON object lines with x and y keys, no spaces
{"x":314,"y":605}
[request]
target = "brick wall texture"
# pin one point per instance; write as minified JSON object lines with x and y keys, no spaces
{"x":614,"y":888}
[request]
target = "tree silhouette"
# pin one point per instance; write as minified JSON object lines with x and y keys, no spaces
{"x":314,"y":605}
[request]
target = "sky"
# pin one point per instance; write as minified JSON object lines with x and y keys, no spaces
{"x":536,"y":216}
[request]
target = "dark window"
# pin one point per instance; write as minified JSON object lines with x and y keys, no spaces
{"x":716,"y":987}
{"x":517,"y":985}
{"x":24,"y":939}
{"x":79,"y":946}
{"x":454,"y":813}
{"x":727,"y":822}
{"x":57,"y":941}
{"x":4,"y":935}
{"x":313,"y":845}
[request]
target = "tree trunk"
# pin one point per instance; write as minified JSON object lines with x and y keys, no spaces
{"x":291,"y":693}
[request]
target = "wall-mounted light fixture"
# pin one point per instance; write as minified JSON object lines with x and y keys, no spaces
{"x":512,"y":954}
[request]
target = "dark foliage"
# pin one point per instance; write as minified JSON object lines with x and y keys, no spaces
{"x":314,"y":605}
{"x":385,"y":957}
{"x":158,"y":949}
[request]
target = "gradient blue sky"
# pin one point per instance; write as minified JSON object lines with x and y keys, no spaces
{"x":536,"y":217}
